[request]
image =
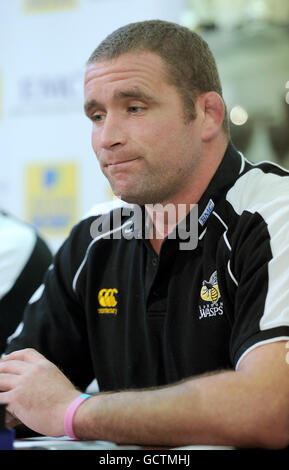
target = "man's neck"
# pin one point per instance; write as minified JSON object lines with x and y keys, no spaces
{"x":167,"y":215}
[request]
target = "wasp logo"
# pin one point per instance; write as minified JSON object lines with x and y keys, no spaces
{"x":107,"y":300}
{"x":210,"y":291}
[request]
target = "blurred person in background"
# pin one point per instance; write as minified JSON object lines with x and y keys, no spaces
{"x":24,"y":258}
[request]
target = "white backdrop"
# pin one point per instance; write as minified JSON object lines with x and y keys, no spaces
{"x":44,"y":45}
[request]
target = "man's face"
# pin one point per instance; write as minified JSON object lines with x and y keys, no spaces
{"x":144,"y":145}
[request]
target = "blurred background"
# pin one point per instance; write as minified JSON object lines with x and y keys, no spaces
{"x":49,"y":176}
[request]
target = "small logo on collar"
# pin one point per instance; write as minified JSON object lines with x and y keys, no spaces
{"x":207,"y":212}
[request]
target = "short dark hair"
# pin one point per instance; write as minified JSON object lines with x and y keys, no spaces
{"x":190,"y":64}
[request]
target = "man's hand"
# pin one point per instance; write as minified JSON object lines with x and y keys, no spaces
{"x":11,"y":421}
{"x":36,"y":391}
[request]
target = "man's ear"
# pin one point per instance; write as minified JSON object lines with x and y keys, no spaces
{"x":213,"y":111}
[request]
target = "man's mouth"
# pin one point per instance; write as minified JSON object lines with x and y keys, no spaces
{"x":119,"y":163}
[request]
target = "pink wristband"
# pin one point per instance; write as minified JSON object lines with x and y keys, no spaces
{"x":69,"y":415}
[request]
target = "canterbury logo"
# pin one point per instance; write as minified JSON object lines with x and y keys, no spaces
{"x":106,"y":297}
{"x":107,"y":301}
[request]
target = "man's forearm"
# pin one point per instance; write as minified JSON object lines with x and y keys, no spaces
{"x":246,"y":408}
{"x":227,"y":408}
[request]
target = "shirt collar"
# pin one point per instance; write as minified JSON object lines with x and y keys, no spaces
{"x":225,"y":176}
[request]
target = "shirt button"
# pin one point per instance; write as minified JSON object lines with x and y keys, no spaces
{"x":154,"y":261}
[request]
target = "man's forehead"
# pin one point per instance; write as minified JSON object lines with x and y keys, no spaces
{"x":131,"y":63}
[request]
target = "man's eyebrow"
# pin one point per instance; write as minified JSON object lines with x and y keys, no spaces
{"x":91,"y":104}
{"x":135,"y":93}
{"x":121,"y":95}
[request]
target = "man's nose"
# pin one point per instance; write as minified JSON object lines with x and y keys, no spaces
{"x":112,"y":133}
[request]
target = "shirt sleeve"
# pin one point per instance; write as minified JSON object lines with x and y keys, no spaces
{"x":260,"y":266}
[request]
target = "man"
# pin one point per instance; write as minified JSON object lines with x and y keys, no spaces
{"x":24,"y":259}
{"x":188,"y":346}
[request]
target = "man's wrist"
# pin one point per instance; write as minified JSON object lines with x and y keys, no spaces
{"x":70,"y":412}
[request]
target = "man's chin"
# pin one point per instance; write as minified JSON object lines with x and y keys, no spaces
{"x":130,"y":199}
{"x":133,"y":199}
{"x":140,"y":198}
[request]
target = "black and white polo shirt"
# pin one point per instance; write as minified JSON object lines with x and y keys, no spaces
{"x":112,"y":309}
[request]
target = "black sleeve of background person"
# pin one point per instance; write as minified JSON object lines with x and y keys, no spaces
{"x":13,"y":303}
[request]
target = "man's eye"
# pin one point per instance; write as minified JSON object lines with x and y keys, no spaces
{"x":135,"y":109}
{"x":97,"y":117}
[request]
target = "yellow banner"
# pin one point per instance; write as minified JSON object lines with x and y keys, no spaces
{"x":39,"y":6}
{"x":52,"y":197}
